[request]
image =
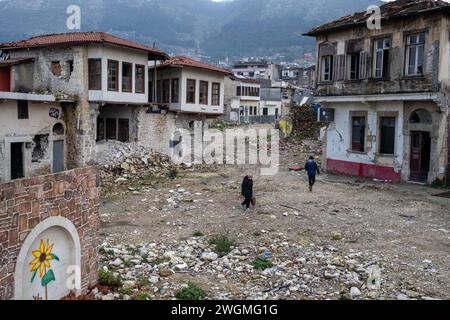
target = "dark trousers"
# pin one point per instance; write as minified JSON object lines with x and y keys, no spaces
{"x":312,"y":180}
{"x":247,"y":202}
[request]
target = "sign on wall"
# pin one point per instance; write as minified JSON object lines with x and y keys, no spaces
{"x":54,"y":113}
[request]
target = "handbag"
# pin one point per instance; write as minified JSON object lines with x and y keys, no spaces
{"x":253,"y":201}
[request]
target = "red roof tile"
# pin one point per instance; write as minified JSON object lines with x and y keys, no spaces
{"x":188,"y":62}
{"x":78,"y":38}
{"x":391,"y":10}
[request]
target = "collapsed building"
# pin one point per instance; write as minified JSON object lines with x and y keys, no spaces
{"x":63,"y":97}
{"x":385,"y":92}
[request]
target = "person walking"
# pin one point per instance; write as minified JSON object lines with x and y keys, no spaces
{"x":312,"y":169}
{"x":247,"y":192}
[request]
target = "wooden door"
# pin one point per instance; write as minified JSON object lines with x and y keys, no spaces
{"x":416,"y":156}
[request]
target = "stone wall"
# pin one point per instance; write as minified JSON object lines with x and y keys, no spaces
{"x":27,"y":204}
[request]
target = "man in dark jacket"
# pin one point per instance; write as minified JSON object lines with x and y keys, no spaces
{"x":312,"y":169}
{"x":247,"y":192}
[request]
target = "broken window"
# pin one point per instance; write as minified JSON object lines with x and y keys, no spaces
{"x":140,"y":79}
{"x":124,"y":130}
{"x":22,"y":109}
{"x":415,"y":45}
{"x":100,"y":129}
{"x":58,"y":129}
{"x":358,"y":133}
{"x":387,"y":135}
{"x":40,"y":147}
{"x":381,"y":58}
{"x":215,"y":94}
{"x":166,"y":91}
{"x":175,"y":91}
{"x":327,"y":68}
{"x":56,"y":68}
{"x":70,"y":67}
{"x":204,"y":92}
{"x":111,"y":129}
{"x":354,"y":63}
{"x":113,"y":75}
{"x":95,"y":74}
{"x":127,"y":77}
{"x":190,"y":95}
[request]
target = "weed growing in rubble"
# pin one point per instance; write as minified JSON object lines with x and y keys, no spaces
{"x":106,"y":278}
{"x":223,"y":244}
{"x":191,"y":292}
{"x":143,"y":296}
{"x":262,"y":263}
{"x":142,"y":282}
{"x":197,"y":234}
{"x":125,"y":291}
{"x":173,"y":173}
{"x":158,"y":261}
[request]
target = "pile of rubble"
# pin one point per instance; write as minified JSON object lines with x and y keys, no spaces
{"x":125,"y":159}
{"x":299,"y":271}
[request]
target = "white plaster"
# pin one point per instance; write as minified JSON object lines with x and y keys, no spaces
{"x":67,"y":247}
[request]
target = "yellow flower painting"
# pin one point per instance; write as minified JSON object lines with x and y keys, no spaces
{"x":41,"y":262}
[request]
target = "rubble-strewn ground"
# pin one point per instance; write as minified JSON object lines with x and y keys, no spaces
{"x":329,"y":244}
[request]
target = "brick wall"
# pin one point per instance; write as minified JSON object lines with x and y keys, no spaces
{"x":26,"y":203}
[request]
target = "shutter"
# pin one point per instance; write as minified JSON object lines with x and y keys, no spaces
{"x":335,"y":68}
{"x":362,"y":65}
{"x":341,"y":66}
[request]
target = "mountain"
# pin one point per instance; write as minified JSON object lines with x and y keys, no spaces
{"x":217,"y":29}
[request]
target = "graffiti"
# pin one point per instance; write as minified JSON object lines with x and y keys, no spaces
{"x":41,"y":262}
{"x":54,"y":113}
{"x":4,"y":55}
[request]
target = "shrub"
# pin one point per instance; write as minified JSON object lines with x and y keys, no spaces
{"x":260,"y":263}
{"x":125,"y":291}
{"x":222,"y":243}
{"x":197,"y":234}
{"x":106,"y":278}
{"x":143,"y":296}
{"x":191,"y":292}
{"x":173,"y":173}
{"x":158,"y":261}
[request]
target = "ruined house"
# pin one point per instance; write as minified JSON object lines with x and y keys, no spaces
{"x":61,"y":94}
{"x":385,"y":92}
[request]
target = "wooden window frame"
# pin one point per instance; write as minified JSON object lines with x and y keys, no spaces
{"x":188,"y":81}
{"x":165,"y":91}
{"x":175,"y":90}
{"x":92,"y":84}
{"x":23,"y":112}
{"x":205,"y":99}
{"x":117,"y":64}
{"x":139,"y":88}
{"x":358,"y":114}
{"x":215,"y":98}
{"x":418,"y":44}
{"x":130,"y":66}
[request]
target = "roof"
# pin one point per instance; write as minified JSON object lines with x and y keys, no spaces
{"x":79,"y":38}
{"x":244,"y":79}
{"x":16,"y":61}
{"x":251,"y":63}
{"x":389,"y":11}
{"x":181,"y":61}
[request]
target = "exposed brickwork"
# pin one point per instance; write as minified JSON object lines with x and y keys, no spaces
{"x":25,"y":203}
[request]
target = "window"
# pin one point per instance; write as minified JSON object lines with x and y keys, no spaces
{"x":111,"y":129}
{"x":190,"y":91}
{"x":215,"y":101}
{"x":127,"y":77}
{"x":415,"y":45}
{"x":113,"y":75}
{"x":175,"y":91}
{"x":354,"y":66}
{"x":22,"y":109}
{"x":166,"y":91}
{"x":204,"y":92}
{"x":158,"y":91}
{"x":327,"y":68}
{"x":95,"y":74}
{"x":150,"y":91}
{"x":387,"y":135}
{"x":358,"y":134}
{"x":56,"y":68}
{"x":140,"y":79}
{"x":381,"y":58}
{"x":238,"y":91}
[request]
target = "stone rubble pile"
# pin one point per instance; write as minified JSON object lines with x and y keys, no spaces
{"x":300,"y":271}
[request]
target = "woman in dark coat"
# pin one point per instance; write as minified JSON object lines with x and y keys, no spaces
{"x":247,"y":192}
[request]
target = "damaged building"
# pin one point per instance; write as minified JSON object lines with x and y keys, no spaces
{"x":385,"y":92}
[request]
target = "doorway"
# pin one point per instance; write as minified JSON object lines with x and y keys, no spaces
{"x":17,"y":159}
{"x":420,"y":155}
{"x":58,"y":156}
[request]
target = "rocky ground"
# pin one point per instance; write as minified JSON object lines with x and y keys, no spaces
{"x":348,"y":239}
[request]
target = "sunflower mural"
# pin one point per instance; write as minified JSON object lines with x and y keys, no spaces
{"x":42,"y":263}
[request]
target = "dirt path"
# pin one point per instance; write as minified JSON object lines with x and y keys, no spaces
{"x":403,"y":228}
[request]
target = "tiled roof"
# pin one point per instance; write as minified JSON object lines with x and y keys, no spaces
{"x":181,"y":61}
{"x":78,"y":38}
{"x":391,"y":10}
{"x":13,"y":62}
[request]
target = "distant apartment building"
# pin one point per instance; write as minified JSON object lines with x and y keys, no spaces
{"x":257,"y":70}
{"x":303,"y":77}
{"x":386,"y":92}
{"x":242,"y":97}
